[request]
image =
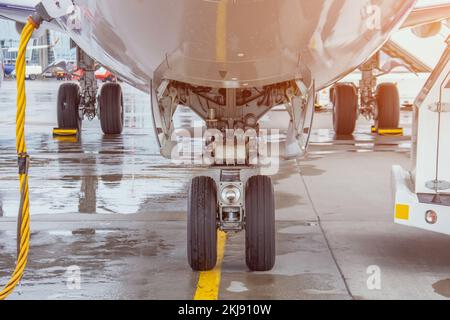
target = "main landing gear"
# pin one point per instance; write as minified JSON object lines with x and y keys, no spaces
{"x":381,"y":105}
{"x":79,"y":101}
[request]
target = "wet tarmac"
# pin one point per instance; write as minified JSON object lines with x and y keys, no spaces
{"x":111,"y":213}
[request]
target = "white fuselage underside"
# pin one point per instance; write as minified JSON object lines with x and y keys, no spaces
{"x":233,"y":43}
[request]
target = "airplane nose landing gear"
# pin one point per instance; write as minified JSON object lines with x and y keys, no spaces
{"x":235,"y":145}
{"x":231,"y":201}
{"x":231,"y":208}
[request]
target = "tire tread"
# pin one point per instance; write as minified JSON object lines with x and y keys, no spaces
{"x":111,"y":109}
{"x":388,"y":102}
{"x":68,"y":96}
{"x":345,"y":103}
{"x":202,"y":224}
{"x":260,"y":224}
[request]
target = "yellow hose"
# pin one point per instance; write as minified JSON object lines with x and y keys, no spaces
{"x":24,"y":211}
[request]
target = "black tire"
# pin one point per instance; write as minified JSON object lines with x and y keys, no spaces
{"x":33,"y":77}
{"x":345,"y":103}
{"x":111,"y":109}
{"x":260,"y":224}
{"x":202,"y":224}
{"x":68,"y":106}
{"x":388,"y":104}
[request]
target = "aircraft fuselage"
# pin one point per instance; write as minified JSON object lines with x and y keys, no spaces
{"x":233,"y":43}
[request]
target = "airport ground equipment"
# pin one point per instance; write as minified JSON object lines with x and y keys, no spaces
{"x":388,"y":132}
{"x":66,"y":135}
{"x":422,"y":195}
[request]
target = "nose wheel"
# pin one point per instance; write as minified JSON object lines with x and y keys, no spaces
{"x":260,"y":224}
{"x":210,"y":209}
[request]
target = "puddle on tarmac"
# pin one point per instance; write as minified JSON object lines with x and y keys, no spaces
{"x":237,"y":287}
{"x":266,"y":286}
{"x":95,"y":175}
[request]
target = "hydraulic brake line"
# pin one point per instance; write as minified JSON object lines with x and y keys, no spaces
{"x":23,"y":230}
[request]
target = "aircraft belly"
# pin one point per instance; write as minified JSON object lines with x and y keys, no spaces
{"x":232,"y":43}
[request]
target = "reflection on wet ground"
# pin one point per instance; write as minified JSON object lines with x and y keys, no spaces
{"x":303,"y":271}
{"x":97,"y":174}
{"x":325,"y":141}
{"x":114,"y":263}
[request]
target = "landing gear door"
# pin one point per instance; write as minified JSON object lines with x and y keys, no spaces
{"x":301,"y":110}
{"x":309,"y":117}
{"x":156,"y":115}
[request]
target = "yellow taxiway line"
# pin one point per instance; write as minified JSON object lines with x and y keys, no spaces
{"x":209,"y":281}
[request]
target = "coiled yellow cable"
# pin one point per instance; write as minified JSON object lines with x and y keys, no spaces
{"x":24,"y":211}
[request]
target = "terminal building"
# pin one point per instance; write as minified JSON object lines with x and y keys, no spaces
{"x":59,"y":46}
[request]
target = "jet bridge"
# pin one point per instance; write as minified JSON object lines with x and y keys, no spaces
{"x":422,"y":195}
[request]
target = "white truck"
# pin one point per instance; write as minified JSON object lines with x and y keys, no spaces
{"x":31,"y":72}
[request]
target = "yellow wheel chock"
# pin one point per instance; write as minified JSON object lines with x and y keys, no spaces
{"x":57,"y":132}
{"x":388,"y":132}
